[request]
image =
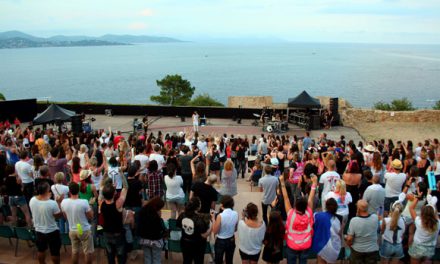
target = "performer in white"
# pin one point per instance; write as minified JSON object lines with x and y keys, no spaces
{"x":195,"y":118}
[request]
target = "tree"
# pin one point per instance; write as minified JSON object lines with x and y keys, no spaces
{"x":396,"y":105}
{"x":2,"y":97}
{"x":205,"y":100}
{"x":402,"y":105}
{"x":382,"y":106}
{"x":437,"y":105}
{"x":173,"y":91}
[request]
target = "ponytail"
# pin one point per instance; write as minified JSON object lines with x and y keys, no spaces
{"x":395,"y":215}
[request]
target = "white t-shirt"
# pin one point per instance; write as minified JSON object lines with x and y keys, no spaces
{"x":24,"y":171}
{"x":60,"y":189}
{"x":174,"y":187}
{"x":115,"y":174}
{"x":202,"y":146}
{"x":342,"y":206}
{"x":43,"y":215}
{"x":143,"y":159}
{"x":423,"y":237}
{"x":394,"y":183}
{"x":75,"y":210}
{"x":159,"y":159}
{"x":388,"y":234}
{"x":329,"y":180}
{"x":195,"y":119}
{"x":251,"y":239}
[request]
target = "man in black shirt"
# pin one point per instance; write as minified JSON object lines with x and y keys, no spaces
{"x":207,"y":194}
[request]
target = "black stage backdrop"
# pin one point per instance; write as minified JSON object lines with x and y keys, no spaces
{"x":156,"y":110}
{"x":25,"y":110}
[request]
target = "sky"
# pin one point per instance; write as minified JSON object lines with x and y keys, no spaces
{"x":367,"y":21}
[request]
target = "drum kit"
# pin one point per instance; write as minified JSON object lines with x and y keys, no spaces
{"x":272,"y":126}
{"x":276,"y":127}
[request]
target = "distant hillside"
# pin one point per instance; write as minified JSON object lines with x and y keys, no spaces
{"x":137,"y":39}
{"x":17,"y":39}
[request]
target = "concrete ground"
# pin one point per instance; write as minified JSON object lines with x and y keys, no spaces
{"x":216,"y":126}
{"x":171,"y":124}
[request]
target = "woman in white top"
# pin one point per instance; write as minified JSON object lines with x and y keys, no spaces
{"x":96,"y":172}
{"x":60,"y":190}
{"x":38,"y":162}
{"x":174,"y":194}
{"x":251,"y":234}
{"x":423,"y":241}
{"x":225,"y":225}
{"x":392,"y":230}
{"x":83,"y":156}
{"x":342,"y":197}
{"x":229,"y":179}
{"x":115,"y":173}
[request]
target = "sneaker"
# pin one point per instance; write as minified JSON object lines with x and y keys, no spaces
{"x":133,"y":254}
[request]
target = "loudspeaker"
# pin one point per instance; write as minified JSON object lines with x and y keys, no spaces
{"x":334,"y":107}
{"x":315,"y":122}
{"x":77,"y":124}
{"x":334,"y":104}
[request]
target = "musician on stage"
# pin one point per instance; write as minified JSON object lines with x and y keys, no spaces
{"x":195,"y":119}
{"x":145,"y":123}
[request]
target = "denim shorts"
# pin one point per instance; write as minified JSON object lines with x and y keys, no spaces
{"x":421,"y":251}
{"x":389,"y":250}
{"x":17,"y":201}
{"x":180,"y":201}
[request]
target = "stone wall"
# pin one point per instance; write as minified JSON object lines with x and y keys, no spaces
{"x":250,"y":101}
{"x":355,"y":116}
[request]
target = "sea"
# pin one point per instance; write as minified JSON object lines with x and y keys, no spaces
{"x":361,"y":73}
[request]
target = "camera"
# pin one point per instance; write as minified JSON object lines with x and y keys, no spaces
{"x":245,"y":213}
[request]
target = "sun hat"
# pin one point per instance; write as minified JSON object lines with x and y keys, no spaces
{"x":84,"y":174}
{"x":397,"y":164}
{"x":370,"y":148}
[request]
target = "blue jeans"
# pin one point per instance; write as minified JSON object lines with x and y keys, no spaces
{"x":224,"y":247}
{"x":63,"y":225}
{"x":115,"y":247}
{"x":152,"y":255}
{"x":293,"y":255}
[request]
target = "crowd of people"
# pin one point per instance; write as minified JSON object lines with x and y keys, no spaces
{"x":328,"y":197}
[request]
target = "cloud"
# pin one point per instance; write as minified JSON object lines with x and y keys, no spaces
{"x":147,"y":12}
{"x":137,"y":26}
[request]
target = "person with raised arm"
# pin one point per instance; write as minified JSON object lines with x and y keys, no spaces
{"x":299,"y":224}
{"x":423,"y":239}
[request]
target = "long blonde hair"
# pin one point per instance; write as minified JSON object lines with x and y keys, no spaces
{"x":395,"y":216}
{"x":341,"y":188}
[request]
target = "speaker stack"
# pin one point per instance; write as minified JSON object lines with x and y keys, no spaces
{"x":77,"y":124}
{"x":334,"y":107}
{"x":315,"y":122}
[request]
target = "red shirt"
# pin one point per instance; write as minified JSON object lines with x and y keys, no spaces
{"x":116,"y":141}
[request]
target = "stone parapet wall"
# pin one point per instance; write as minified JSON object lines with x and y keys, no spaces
{"x":250,"y":101}
{"x":355,"y":116}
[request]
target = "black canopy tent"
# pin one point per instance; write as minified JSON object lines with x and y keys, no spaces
{"x":308,"y":110}
{"x":304,"y":100}
{"x":54,"y":114}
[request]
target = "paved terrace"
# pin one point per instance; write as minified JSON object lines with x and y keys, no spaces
{"x":171,"y":124}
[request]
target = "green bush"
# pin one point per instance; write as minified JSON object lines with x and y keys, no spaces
{"x":382,"y":106}
{"x":2,"y":97}
{"x":204,"y":100}
{"x":437,"y":105}
{"x":396,"y":105}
